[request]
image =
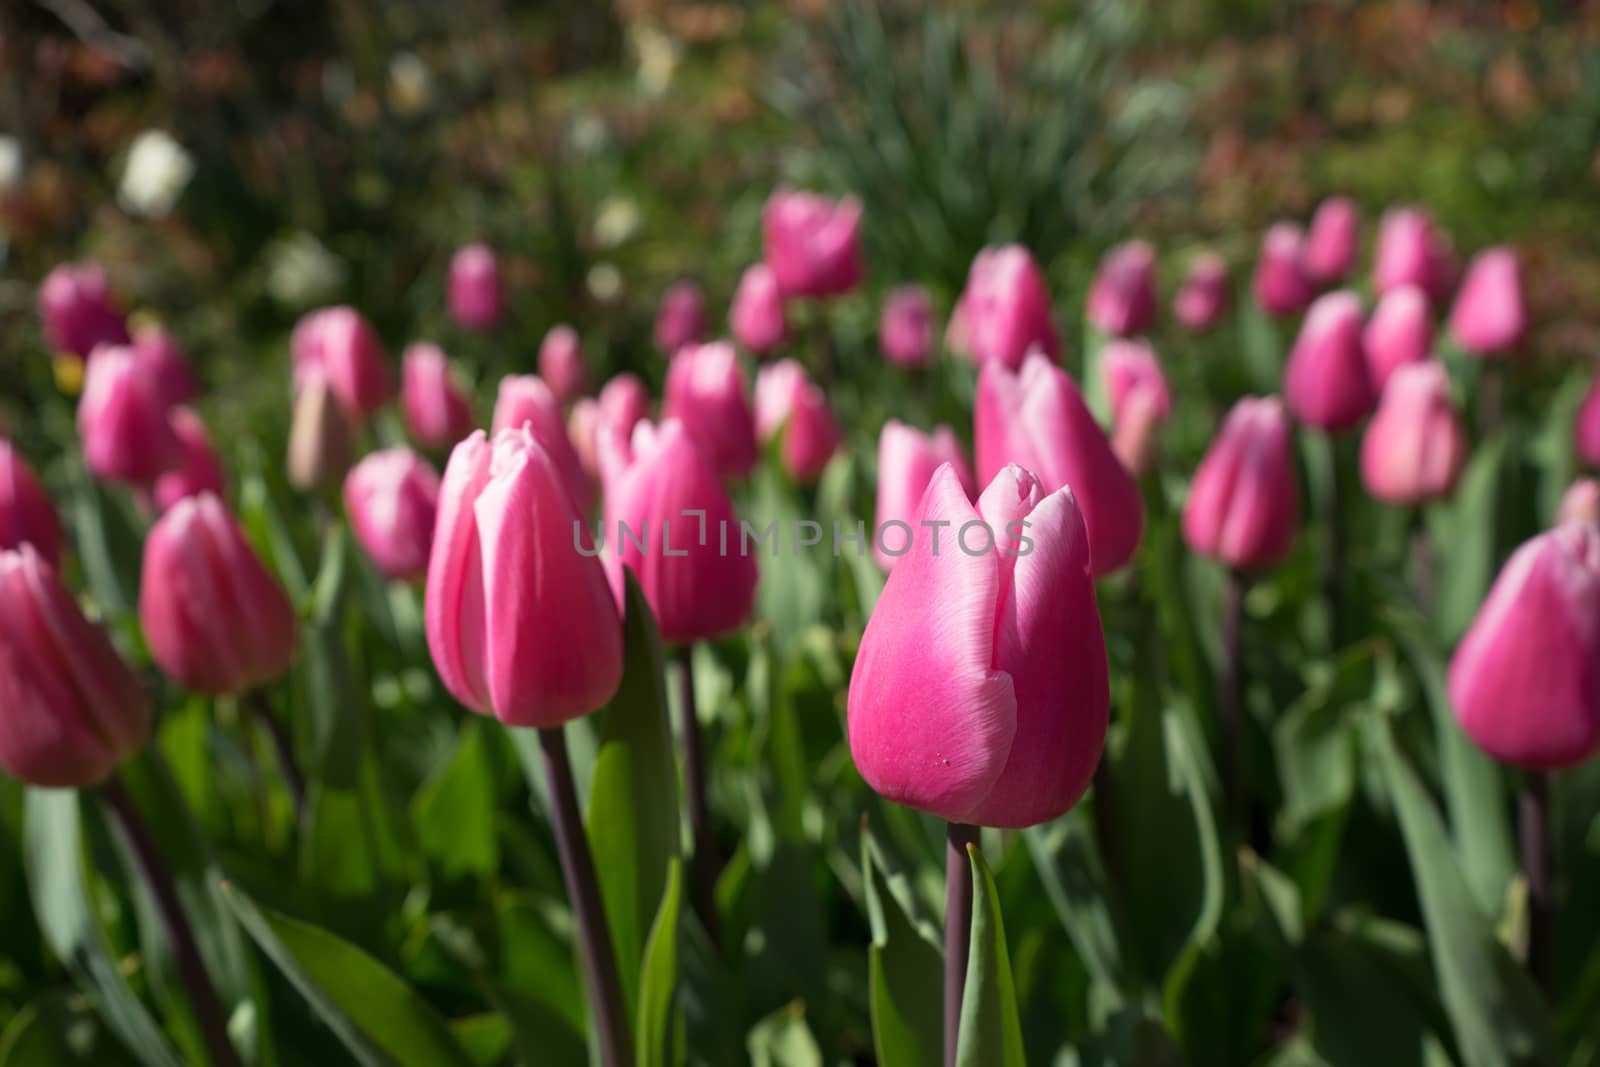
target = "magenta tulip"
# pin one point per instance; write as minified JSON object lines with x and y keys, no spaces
{"x":905,"y":328}
{"x":77,"y":311}
{"x":26,"y":515}
{"x":583,"y":429}
{"x":436,"y":408}
{"x":1243,"y":507}
{"x":1134,"y":435}
{"x":705,"y":390}
{"x":624,"y":401}
{"x":1130,"y":367}
{"x":1280,"y":285}
{"x":392,"y":498}
{"x":1415,"y":447}
{"x":561,"y":364}
{"x":756,"y":318}
{"x":1586,"y":429}
{"x":1489,"y":318}
{"x":790,"y":403}
{"x":158,"y":353}
{"x":681,"y":319}
{"x":122,"y":421}
{"x":777,"y":385}
{"x":339,"y":346}
{"x":1580,"y":503}
{"x":812,"y":243}
{"x":1400,"y":331}
{"x":1412,"y":251}
{"x":1004,"y":312}
{"x":1122,"y":300}
{"x":1203,"y":297}
{"x":200,"y":470}
{"x":907,"y":458}
{"x":525,"y":400}
{"x":475,"y":296}
{"x":1327,"y":384}
{"x":1333,"y":241}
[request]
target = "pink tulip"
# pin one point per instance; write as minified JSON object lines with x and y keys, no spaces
{"x":675,"y":528}
{"x":995,"y":714}
{"x":1326,"y":383}
{"x":1489,"y":317}
{"x":624,"y":401}
{"x":812,"y":244}
{"x":561,"y":364}
{"x":73,"y":710}
{"x":756,"y":317}
{"x":1130,"y":367}
{"x":216,"y":619}
{"x":583,"y":429}
{"x":199,"y":472}
{"x":1581,"y":503}
{"x":1333,"y":241}
{"x":705,"y":390}
{"x":1525,"y":681}
{"x":520,"y":621}
{"x":475,"y":296}
{"x":1586,"y":429}
{"x":392,"y":498}
{"x":1280,"y":285}
{"x":525,"y":400}
{"x":1004,"y":312}
{"x":1412,"y":251}
{"x":26,"y":515}
{"x":77,"y":311}
{"x":907,"y":459}
{"x":681,"y":319}
{"x":1415,"y":447}
{"x":1138,"y":425}
{"x":122,"y":421}
{"x":1203,"y":296}
{"x":1400,"y":331}
{"x":1122,"y":300}
{"x":339,"y":346}
{"x":1243,"y":507}
{"x":787,"y":400}
{"x":1036,"y":418}
{"x":905,"y":329}
{"x":777,"y":385}
{"x":166,"y":365}
{"x":437,"y":411}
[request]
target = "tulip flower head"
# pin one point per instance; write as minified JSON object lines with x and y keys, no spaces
{"x":525,"y":400}
{"x":905,"y":329}
{"x":1412,"y":251}
{"x":812,"y":243}
{"x":77,"y":310}
{"x":907,"y":458}
{"x":319,"y":439}
{"x":435,"y":406}
{"x":1130,"y":367}
{"x":474,"y":292}
{"x":1415,"y":447}
{"x":340,"y":347}
{"x":1122,"y":300}
{"x":561,"y":364}
{"x":1400,"y":331}
{"x":158,"y":353}
{"x":705,"y":391}
{"x":392,"y":498}
{"x":199,"y":472}
{"x":1281,"y":286}
{"x":583,"y":430}
{"x":790,"y":403}
{"x":1581,"y":503}
{"x":624,"y":401}
{"x":1203,"y":297}
{"x":1004,"y":311}
{"x":1326,"y":382}
{"x":26,"y":515}
{"x":1489,"y":316}
{"x":122,"y":421}
{"x":1243,"y":507}
{"x":1333,"y":240}
{"x":757,"y":318}
{"x":681,"y":319}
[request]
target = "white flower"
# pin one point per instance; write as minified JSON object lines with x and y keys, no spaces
{"x":302,"y":272}
{"x":617,"y":220}
{"x":153,"y":177}
{"x":11,"y":168}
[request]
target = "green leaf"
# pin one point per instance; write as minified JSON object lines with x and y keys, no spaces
{"x":107,"y":543}
{"x":454,"y":811}
{"x":51,"y":1033}
{"x":380,"y":1019}
{"x":658,"y":980}
{"x":783,"y":1039}
{"x":991,"y":1029}
{"x":1463,"y":529}
{"x":1064,"y":854}
{"x":486,"y":1038}
{"x":334,"y":696}
{"x":904,"y":968}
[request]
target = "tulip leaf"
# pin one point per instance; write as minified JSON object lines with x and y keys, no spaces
{"x":783,"y":1039}
{"x":904,"y":967}
{"x":334,"y":698}
{"x":378,"y":1018}
{"x":991,"y":1028}
{"x":1069,"y":868}
{"x":1463,"y":529}
{"x":658,"y":979}
{"x":454,"y":810}
{"x":51,"y":1032}
{"x":485,"y":1038}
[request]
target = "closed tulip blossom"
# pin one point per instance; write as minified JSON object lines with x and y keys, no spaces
{"x":475,"y":295}
{"x":200,"y":471}
{"x":681,"y":319}
{"x":980,"y":693}
{"x":1036,"y":418}
{"x":520,"y":622}
{"x":1280,"y":285}
{"x":1333,"y":240}
{"x":1414,"y":447}
{"x":705,"y":391}
{"x":812,"y":243}
{"x":122,"y":421}
{"x":26,"y":515}
{"x":1134,"y":435}
{"x":72,"y":709}
{"x":436,"y":408}
{"x":776,"y":387}
{"x":1326,"y":383}
{"x":1412,"y":251}
{"x":905,"y":328}
{"x":1130,"y":367}
{"x":392,"y":498}
{"x":756,"y":318}
{"x":319,"y":439}
{"x":1400,"y":331}
{"x":788,"y":402}
{"x":1203,"y":297}
{"x":158,"y":353}
{"x":624,"y":401}
{"x":216,"y":619}
{"x":1243,"y":507}
{"x":1525,"y":680}
{"x":907,"y":459}
{"x":77,"y":311}
{"x":1586,"y":428}
{"x":340,"y":347}
{"x":561,"y":364}
{"x":1004,"y":311}
{"x":1122,"y":300}
{"x":583,"y":429}
{"x":1489,"y":316}
{"x":525,"y":400}
{"x":1581,"y":503}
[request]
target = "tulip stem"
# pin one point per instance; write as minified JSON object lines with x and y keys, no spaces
{"x":1538,"y":868}
{"x":704,"y":864}
{"x":1424,"y":567}
{"x":957,"y":928}
{"x":824,"y":342}
{"x":259,"y":708}
{"x":1333,"y":516}
{"x":1490,"y":398}
{"x":1235,"y":751}
{"x":203,"y":1000}
{"x":583,"y":893}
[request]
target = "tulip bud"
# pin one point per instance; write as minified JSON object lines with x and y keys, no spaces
{"x":907,"y":458}
{"x":787,"y":400}
{"x":777,"y":384}
{"x":122,"y":421}
{"x":1412,"y":251}
{"x":1243,"y":507}
{"x":520,"y":621}
{"x":681,"y":319}
{"x":1581,"y":503}
{"x":1525,"y":680}
{"x":1036,"y":418}
{"x":756,"y":317}
{"x":624,"y":401}
{"x":475,"y":297}
{"x":561,"y":364}
{"x":392,"y":498}
{"x":1333,"y":240}
{"x":1004,"y":312}
{"x":705,"y":390}
{"x":73,"y":709}
{"x":199,"y":472}
{"x":525,"y":400}
{"x":1281,"y":286}
{"x":996,"y":716}
{"x":1130,"y":367}
{"x":436,"y":408}
{"x":1133,"y":437}
{"x":583,"y":428}
{"x":339,"y":346}
{"x":77,"y":311}
{"x":1122,"y":300}
{"x":1489,"y":317}
{"x":1204,"y":295}
{"x":1586,"y":428}
{"x":812,"y":244}
{"x":26,"y":514}
{"x":661,"y":493}
{"x":216,"y":619}
{"x":1326,"y":383}
{"x":1400,"y":331}
{"x":319,"y":439}
{"x":165,"y":364}
{"x":1415,"y":447}
{"x":905,"y":330}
